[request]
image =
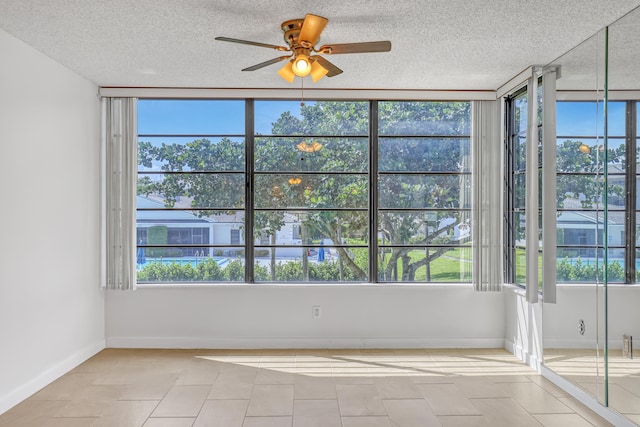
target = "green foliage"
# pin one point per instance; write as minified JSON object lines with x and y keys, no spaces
{"x":579,"y":271}
{"x":209,"y":270}
{"x":424,"y":118}
{"x":361,"y":258}
{"x":197,"y":155}
{"x":157,"y":235}
{"x":329,"y":272}
{"x":289,"y":272}
{"x":576,"y":158}
{"x":206,"y":270}
{"x":151,"y":273}
{"x":580,"y":178}
{"x":564,"y":270}
{"x":178,"y":273}
{"x":261,"y":273}
{"x":615,"y":272}
{"x":444,"y":269}
{"x":234,"y":272}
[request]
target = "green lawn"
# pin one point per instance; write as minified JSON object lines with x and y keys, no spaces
{"x":521,"y":265}
{"x":452,"y":266}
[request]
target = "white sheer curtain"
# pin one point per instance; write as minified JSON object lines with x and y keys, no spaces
{"x":549,"y":184}
{"x":541,"y":183}
{"x":119,"y":176}
{"x":487,"y":153}
{"x":532,"y":237}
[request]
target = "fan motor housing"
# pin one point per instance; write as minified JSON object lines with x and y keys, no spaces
{"x":291,"y":30}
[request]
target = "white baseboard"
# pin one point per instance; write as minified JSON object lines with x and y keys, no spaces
{"x":530,"y":359}
{"x":58,"y":369}
{"x":268,"y":343}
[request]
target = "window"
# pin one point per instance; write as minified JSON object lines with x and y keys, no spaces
{"x":424,"y":192}
{"x":191,"y":176}
{"x":311,"y":174}
{"x":289,"y":194}
{"x":581,"y":197}
{"x":580,"y":189}
{"x":516,"y":121}
{"x":633,"y":195}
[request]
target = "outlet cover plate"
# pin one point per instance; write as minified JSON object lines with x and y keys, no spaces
{"x":627,"y":346}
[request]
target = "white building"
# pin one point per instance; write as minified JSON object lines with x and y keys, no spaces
{"x":186,"y":228}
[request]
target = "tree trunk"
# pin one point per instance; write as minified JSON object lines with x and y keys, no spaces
{"x":340,"y":262}
{"x":427,"y":262}
{"x":406,"y":268}
{"x":273,"y":257}
{"x":305,"y":257}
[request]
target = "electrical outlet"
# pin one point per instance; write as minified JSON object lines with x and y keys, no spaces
{"x":316,"y":311}
{"x":627,"y":346}
{"x":581,"y":327}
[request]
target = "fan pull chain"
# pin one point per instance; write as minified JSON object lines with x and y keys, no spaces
{"x":302,"y":93}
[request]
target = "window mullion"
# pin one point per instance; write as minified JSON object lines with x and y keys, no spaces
{"x":249,"y":196}
{"x":373,"y":191}
{"x":509,"y":239}
{"x":630,"y":204}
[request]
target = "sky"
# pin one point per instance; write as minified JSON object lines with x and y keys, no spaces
{"x":586,"y":119}
{"x":216,"y":117}
{"x":208,"y":116}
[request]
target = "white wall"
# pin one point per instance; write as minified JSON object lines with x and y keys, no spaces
{"x":280,"y":316}
{"x":51,"y":307}
{"x":523,"y":326}
{"x":579,"y":302}
{"x":531,"y":327}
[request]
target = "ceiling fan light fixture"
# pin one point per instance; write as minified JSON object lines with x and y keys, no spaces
{"x":309,"y":147}
{"x":584,"y":148}
{"x":301,"y":37}
{"x":286,"y":72}
{"x":317,"y":71}
{"x":301,"y":65}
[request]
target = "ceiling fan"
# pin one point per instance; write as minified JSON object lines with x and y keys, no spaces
{"x":301,"y":36}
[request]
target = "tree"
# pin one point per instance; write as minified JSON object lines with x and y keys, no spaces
{"x":422,"y":191}
{"x":335,"y":186}
{"x":200,"y":155}
{"x":582,"y":164}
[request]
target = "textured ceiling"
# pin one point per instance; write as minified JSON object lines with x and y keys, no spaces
{"x":437,"y":44}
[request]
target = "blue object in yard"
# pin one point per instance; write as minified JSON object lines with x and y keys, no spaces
{"x":141,"y":259}
{"x":321,"y":252}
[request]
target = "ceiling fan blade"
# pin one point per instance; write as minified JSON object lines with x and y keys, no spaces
{"x":266,"y":63}
{"x":311,"y":29}
{"x":332,"y":69}
{"x":271,"y":46}
{"x":333,"y":49}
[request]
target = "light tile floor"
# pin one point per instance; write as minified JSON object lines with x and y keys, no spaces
{"x":306,"y":388}
{"x":586,"y":369}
